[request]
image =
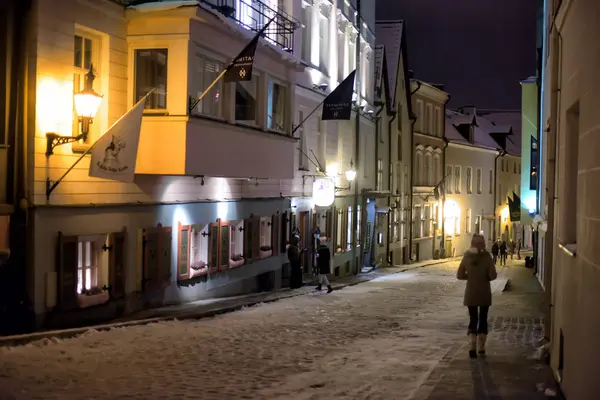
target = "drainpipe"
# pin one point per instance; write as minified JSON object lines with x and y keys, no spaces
{"x":413,"y":119}
{"x":443,"y":241}
{"x":555,"y":85}
{"x":500,"y":154}
{"x":390,"y":184}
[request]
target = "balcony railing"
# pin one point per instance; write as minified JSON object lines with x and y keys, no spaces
{"x":254,"y":14}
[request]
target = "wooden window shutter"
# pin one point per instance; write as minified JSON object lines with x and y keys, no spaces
{"x":165,"y":255}
{"x":282,"y":235}
{"x":248,"y":232}
{"x":213,"y":247}
{"x":256,"y":235}
{"x":117,"y":265}
{"x":329,"y":224}
{"x":224,"y":255}
{"x":183,"y":251}
{"x":275,"y":234}
{"x":67,"y":272}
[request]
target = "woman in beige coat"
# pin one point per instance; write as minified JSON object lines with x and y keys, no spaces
{"x":478,"y":269}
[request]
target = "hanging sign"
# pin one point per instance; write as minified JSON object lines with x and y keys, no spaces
{"x":323,"y":192}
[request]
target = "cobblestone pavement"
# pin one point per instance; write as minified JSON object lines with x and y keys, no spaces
{"x":397,"y":337}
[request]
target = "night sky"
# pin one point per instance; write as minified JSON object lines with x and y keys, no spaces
{"x":480,"y":49}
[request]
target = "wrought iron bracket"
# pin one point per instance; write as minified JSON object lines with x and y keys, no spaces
{"x":341,"y":189}
{"x":205,"y":234}
{"x":106,"y":248}
{"x":53,"y":140}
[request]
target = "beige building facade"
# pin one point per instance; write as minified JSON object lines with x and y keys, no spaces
{"x":569,"y":206}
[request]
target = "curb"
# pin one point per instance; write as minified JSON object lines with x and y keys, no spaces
{"x":20,"y":340}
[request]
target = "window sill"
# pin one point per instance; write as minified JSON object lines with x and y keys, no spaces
{"x":85,"y":301}
{"x":278,"y":132}
{"x":80,"y":148}
{"x":569,"y":248}
{"x":155,"y":112}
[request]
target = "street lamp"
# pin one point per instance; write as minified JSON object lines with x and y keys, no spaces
{"x":87,"y":103}
{"x":350,"y":176}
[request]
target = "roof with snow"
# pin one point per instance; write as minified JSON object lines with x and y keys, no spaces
{"x":503,"y":120}
{"x":388,"y":34}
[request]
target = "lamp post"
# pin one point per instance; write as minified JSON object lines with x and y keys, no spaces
{"x":87,"y":103}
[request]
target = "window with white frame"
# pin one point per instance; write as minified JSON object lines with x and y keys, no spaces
{"x":199,"y":246}
{"x":306,"y":21}
{"x":208,"y":70}
{"x":468,"y":221}
{"x":428,"y":173}
{"x":86,"y":56}
{"x":478,"y":224}
{"x":246,"y":100}
{"x":246,"y":14}
{"x":276,"y":105}
{"x":469,"y":180}
{"x":151,"y":73}
{"x":349,"y":229}
{"x":351,"y":55}
{"x":479,"y":181}
{"x":429,"y":119}
{"x":457,"y":179}
{"x":380,"y":174}
{"x":324,"y":44}
{"x":303,"y":145}
{"x":426,"y":221}
{"x":92,"y":263}
{"x":448,"y":177}
{"x":236,"y":238}
{"x":265,"y":232}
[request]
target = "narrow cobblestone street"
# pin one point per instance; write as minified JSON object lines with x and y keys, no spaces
{"x":400,"y":336}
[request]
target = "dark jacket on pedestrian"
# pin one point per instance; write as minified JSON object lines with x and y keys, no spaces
{"x":495,"y":249}
{"x":478,"y":269}
{"x":324,"y":259}
{"x":293,"y":254}
{"x":503,"y":248}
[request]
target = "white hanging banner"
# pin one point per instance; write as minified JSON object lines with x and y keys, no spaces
{"x":323,"y":192}
{"x":114,"y":154}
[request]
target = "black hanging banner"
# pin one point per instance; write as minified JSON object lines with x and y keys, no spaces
{"x":338,"y":105}
{"x":240,"y":68}
{"x":515,"y":208}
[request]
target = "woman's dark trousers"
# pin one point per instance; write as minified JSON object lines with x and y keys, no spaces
{"x":478,"y":319}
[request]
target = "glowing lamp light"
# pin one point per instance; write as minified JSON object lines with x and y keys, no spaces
{"x":87,"y":101}
{"x":350,"y":175}
{"x":323,"y":192}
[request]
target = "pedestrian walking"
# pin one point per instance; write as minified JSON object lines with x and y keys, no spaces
{"x":511,"y":248}
{"x":323,"y":261}
{"x":294,"y":255}
{"x":478,"y":270}
{"x":503,"y":251}
{"x":496,"y":250}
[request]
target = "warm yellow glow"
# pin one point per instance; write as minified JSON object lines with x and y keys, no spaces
{"x":504,"y":213}
{"x":350,"y":174}
{"x":333,"y":169}
{"x":86,"y":104}
{"x":452,"y":217}
{"x":54,"y":106}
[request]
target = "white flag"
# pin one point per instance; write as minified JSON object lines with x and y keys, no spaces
{"x":115,"y":153}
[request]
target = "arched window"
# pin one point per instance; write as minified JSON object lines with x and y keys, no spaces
{"x":428,"y":176}
{"x":437,"y":169}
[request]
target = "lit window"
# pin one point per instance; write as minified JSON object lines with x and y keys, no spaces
{"x":212,"y":103}
{"x":86,"y":54}
{"x":151,"y":73}
{"x":457,"y":179}
{"x":276,"y":103}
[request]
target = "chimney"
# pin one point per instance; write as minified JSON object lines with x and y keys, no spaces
{"x":468,"y":110}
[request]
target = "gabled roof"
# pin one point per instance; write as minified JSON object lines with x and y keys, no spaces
{"x":483,"y":129}
{"x":389,"y":34}
{"x":504,"y":121}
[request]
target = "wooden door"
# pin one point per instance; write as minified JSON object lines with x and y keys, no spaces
{"x":151,"y":260}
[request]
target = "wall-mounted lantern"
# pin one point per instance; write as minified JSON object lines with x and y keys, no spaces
{"x":350,"y":176}
{"x":87,"y":103}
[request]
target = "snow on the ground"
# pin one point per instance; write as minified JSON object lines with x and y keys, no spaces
{"x":376,"y":340}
